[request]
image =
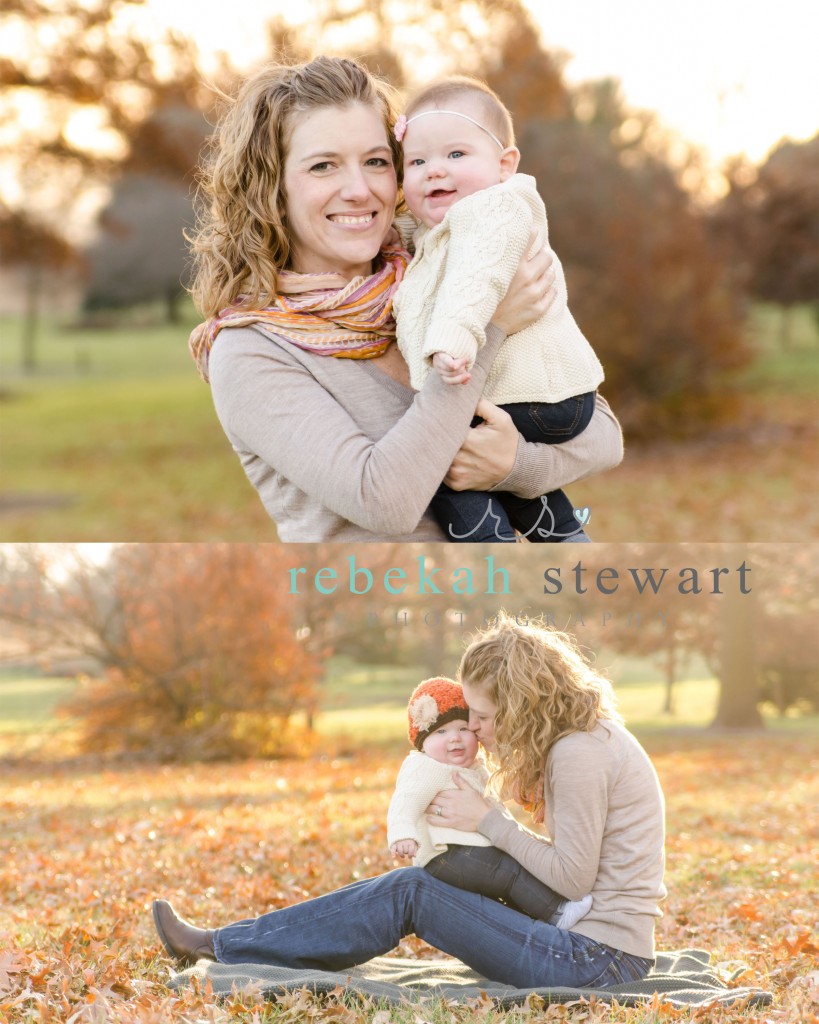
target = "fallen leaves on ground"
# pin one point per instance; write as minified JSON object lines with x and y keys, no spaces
{"x":84,"y":850}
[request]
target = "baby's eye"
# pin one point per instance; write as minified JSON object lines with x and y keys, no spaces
{"x":456,"y":153}
{"x":416,"y":162}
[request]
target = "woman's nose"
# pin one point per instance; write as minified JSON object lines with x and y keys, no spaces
{"x":355,"y":186}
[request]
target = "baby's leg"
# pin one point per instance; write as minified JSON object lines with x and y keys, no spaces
{"x":552,"y":422}
{"x":471,"y":517}
{"x":491,"y":872}
{"x":550,"y":518}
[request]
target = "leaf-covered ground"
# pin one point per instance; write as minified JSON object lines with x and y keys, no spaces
{"x":84,"y":850}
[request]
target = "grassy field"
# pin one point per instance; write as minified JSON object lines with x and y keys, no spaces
{"x":114,"y":438}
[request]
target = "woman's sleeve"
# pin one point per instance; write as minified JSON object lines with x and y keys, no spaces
{"x":569,"y":860}
{"x":540,"y":468}
{"x":269,"y":404}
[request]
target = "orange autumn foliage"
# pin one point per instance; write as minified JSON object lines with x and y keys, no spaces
{"x":196,"y":652}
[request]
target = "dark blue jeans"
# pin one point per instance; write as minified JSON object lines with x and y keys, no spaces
{"x":491,"y":872}
{"x":484,"y":517}
{"x":370,"y":917}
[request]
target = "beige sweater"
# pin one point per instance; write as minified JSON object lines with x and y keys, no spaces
{"x":605,"y":817}
{"x":420,"y":778}
{"x":339,"y":451}
{"x":461,"y":269}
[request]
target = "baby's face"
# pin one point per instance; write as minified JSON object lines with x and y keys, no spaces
{"x":454,"y":743}
{"x":446,"y":158}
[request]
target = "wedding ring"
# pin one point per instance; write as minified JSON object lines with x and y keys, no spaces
{"x":438,"y":811}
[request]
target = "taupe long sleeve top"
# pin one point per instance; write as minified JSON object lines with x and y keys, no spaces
{"x":605,"y":817}
{"x":339,"y":451}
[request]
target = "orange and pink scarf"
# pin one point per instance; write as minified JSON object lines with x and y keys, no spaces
{"x":322,"y":313}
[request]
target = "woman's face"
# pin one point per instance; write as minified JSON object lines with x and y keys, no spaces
{"x":341,"y":189}
{"x":482,"y":714}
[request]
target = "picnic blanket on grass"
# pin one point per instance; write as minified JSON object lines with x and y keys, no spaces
{"x":682,"y":978}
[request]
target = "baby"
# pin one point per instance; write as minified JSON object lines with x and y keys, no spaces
{"x":438,"y":730}
{"x":477,"y":217}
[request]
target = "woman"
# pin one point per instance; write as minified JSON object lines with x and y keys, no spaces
{"x":291,"y":263}
{"x":550,"y":723}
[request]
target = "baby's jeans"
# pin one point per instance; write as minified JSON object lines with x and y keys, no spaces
{"x":492,"y":517}
{"x":489,"y":871}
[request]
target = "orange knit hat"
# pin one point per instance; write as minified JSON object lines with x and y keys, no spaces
{"x":434,"y":703}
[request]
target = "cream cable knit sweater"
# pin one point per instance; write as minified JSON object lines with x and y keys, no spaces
{"x":419,"y":780}
{"x":461,"y":270}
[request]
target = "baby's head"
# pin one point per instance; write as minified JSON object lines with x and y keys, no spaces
{"x":438,"y":716}
{"x":458,"y":139}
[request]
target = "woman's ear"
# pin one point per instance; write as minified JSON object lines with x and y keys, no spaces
{"x":510,"y":158}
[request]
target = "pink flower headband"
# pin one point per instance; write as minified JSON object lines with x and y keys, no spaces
{"x":401,"y":124}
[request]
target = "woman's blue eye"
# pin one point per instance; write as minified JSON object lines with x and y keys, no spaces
{"x":321,"y":166}
{"x":379,"y":161}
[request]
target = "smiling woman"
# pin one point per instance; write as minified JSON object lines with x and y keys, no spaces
{"x":296,"y":261}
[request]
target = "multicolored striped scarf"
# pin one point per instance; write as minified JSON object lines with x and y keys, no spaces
{"x":322,"y":313}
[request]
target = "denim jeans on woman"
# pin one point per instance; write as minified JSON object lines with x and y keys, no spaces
{"x":370,"y":917}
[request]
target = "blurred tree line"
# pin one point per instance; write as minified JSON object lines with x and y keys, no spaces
{"x":659,"y":280}
{"x":201,"y":651}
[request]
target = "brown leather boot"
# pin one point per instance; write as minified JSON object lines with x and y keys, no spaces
{"x":183,"y":941}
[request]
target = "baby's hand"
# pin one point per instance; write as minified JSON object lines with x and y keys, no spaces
{"x":452,"y":371}
{"x":404,"y":848}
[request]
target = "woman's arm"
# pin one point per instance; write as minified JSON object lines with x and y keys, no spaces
{"x":270,"y":404}
{"x":494,"y":457}
{"x":580,"y":774}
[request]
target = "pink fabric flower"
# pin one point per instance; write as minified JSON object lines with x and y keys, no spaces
{"x":400,"y":127}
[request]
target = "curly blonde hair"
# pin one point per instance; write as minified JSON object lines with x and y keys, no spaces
{"x":241,"y":241}
{"x":543,"y":689}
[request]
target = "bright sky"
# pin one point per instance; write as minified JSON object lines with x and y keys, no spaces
{"x":728,"y":75}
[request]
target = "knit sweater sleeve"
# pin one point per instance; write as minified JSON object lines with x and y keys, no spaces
{"x":579,"y":778}
{"x":539,"y":468}
{"x":271,"y":405}
{"x":487,"y":235}
{"x":419,"y":780}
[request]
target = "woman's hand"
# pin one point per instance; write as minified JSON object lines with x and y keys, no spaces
{"x":462,"y":808}
{"x":531,"y":291}
{"x":488,"y":454}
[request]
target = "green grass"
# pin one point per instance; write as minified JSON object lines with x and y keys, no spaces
{"x":128,"y":448}
{"x":27,"y":704}
{"x":114,"y":438}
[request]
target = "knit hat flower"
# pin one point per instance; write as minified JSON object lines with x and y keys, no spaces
{"x":434,"y":703}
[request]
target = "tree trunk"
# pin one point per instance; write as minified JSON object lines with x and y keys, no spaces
{"x":739,"y":689}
